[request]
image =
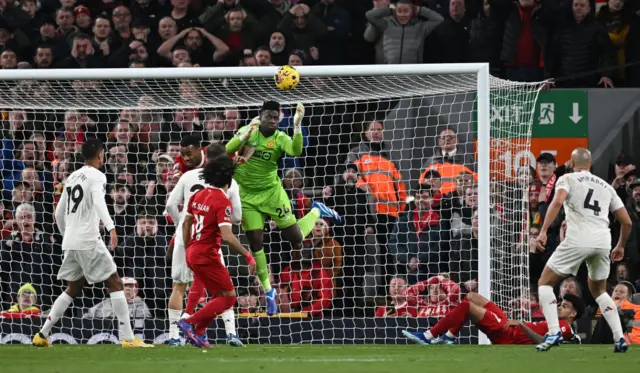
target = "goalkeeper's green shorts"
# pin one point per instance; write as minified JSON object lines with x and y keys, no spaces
{"x":257,"y":205}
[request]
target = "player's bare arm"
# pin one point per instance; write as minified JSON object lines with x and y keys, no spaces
{"x":533,"y":336}
{"x":625,"y":229}
{"x":236,"y":246}
{"x":552,"y":213}
{"x":186,"y":229}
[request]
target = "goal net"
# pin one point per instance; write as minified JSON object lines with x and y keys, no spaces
{"x":395,"y":154}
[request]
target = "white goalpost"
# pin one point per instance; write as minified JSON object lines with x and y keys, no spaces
{"x":372,"y":135}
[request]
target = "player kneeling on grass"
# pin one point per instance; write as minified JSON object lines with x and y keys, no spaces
{"x":493,"y":322}
{"x":206,"y":223}
{"x":81,"y":208}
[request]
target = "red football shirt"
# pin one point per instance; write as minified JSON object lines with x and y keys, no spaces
{"x":180,"y":167}
{"x":519,"y":337}
{"x":211,"y":209}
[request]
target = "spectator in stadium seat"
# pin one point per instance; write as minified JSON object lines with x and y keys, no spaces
{"x":201,"y":53}
{"x":581,"y":51}
{"x":303,"y":28}
{"x":43,"y":58}
{"x":485,"y":37}
{"x":239,"y":36}
{"x":26,"y":304}
{"x":150,"y":11}
{"x":8,"y":59}
{"x":326,"y":249}
{"x":278,"y":48}
{"x":397,"y":305}
{"x":309,"y":289}
{"x":298,"y":58}
{"x":214,"y":126}
{"x":121,"y":19}
{"x":449,"y":41}
{"x":632,"y":250}
{"x":30,"y":255}
{"x":352,"y":204}
{"x":83,"y":20}
{"x":82,"y":55}
{"x":461,"y":218}
{"x":64,"y":21}
{"x":526,"y":34}
{"x":373,"y":35}
{"x":263,"y":56}
{"x":570,"y":285}
{"x":143,"y":253}
{"x":623,"y":167}
{"x":6,"y":221}
{"x":415,"y":239}
{"x":630,"y":316}
{"x":167,"y":28}
{"x":293,"y":182}
{"x":534,"y":195}
{"x":138,"y":309}
{"x":271,"y":14}
{"x":463,"y":260}
{"x":333,"y":46}
{"x":214,"y":15}
{"x":403,"y":30}
{"x":47,"y":35}
{"x":183,"y":15}
{"x":122,"y":209}
{"x":617,"y":20}
{"x":379,"y":176}
{"x":446,"y":156}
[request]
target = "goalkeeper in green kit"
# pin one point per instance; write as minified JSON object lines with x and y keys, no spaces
{"x":261,"y":191}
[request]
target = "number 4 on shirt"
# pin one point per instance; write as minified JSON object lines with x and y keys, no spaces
{"x":595,"y":206}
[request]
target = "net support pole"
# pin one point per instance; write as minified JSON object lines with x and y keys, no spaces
{"x":484,"y":189}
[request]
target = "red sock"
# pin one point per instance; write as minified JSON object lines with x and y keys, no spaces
{"x":201,"y":319}
{"x":195,"y":293}
{"x":453,"y":320}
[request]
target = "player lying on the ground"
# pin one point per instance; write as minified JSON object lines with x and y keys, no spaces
{"x":493,"y":322}
{"x":86,"y":259}
{"x":261,"y":189}
{"x":206,"y":223}
{"x":587,"y":201}
{"x":191,"y":182}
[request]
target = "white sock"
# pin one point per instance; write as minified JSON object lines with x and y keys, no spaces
{"x":428,"y":335}
{"x":174,"y":317}
{"x":184,"y":316}
{"x":450,"y":335}
{"x":229,"y":319}
{"x":120,"y":308}
{"x":59,"y":307}
{"x":549,"y":305}
{"x":610,"y":313}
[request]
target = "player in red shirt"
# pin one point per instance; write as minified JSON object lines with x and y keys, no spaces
{"x":207,"y":222}
{"x":191,"y":156}
{"x":493,"y":322}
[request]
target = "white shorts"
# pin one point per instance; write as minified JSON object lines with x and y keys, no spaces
{"x":180,"y":272}
{"x":94,"y":265}
{"x":567,"y":260}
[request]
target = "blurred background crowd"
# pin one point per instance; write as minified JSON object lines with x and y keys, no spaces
{"x":407,"y":248}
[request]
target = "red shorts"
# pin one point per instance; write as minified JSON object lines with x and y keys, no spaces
{"x":214,"y":275}
{"x":492,"y":324}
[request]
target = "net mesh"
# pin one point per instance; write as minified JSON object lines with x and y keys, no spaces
{"x":405,"y":252}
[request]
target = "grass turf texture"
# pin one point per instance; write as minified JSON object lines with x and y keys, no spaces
{"x":317,"y":359}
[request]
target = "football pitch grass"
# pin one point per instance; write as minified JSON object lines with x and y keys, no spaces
{"x":317,"y":359}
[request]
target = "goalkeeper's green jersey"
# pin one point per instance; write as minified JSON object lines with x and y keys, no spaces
{"x":260,"y":172}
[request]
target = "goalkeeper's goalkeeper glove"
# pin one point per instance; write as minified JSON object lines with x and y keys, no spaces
{"x":297,"y":119}
{"x":246,"y":134}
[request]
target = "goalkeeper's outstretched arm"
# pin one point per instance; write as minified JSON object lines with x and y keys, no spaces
{"x":243,"y":135}
{"x":293,"y":147}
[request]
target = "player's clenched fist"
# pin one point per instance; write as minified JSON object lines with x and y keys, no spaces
{"x":297,"y":118}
